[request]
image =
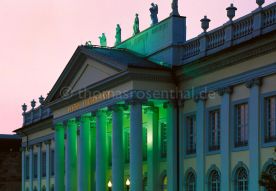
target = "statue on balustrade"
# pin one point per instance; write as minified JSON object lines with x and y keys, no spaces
{"x":118,"y":35}
{"x":154,"y":13}
{"x":136,"y":29}
{"x":103,"y":40}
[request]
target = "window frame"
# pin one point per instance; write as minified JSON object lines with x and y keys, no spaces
{"x":263,"y":119}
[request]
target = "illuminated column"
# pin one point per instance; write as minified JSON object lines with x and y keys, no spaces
{"x":101,"y":151}
{"x":136,"y":146}
{"x":59,"y":157}
{"x":200,"y":142}
{"x":225,"y":94}
{"x":31,"y":167}
{"x":171,"y":146}
{"x":93,"y":155}
{"x":117,"y":149}
{"x":71,"y":156}
{"x":39,"y":166}
{"x":182,"y":139}
{"x":23,"y":168}
{"x":85,"y":153}
{"x":152,"y":147}
{"x":48,"y":144}
{"x":254,"y":134}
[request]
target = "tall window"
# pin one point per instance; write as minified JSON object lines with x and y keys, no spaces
{"x":214,"y":181}
{"x":52,"y":163}
{"x":35,"y":166}
{"x":43,"y":172}
{"x":191,"y":134}
{"x":241,"y":125}
{"x":241,"y":183}
{"x":27,"y":165}
{"x":270,"y":115}
{"x":163,"y":140}
{"x":191,"y":182}
{"x":214,"y":130}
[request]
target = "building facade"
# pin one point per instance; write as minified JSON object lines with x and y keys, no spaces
{"x":159,"y":112}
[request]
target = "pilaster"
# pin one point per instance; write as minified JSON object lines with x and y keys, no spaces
{"x":48,"y":148}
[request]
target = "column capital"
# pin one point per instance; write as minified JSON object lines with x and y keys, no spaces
{"x":22,"y":149}
{"x":225,"y":90}
{"x":152,"y":109}
{"x":170,"y":102}
{"x":71,"y":121}
{"x":30,"y":147}
{"x":117,"y":107}
{"x":253,"y":82}
{"x":136,"y":101}
{"x":38,"y":145}
{"x":59,"y":125}
{"x":86,"y":117}
{"x":48,"y":142}
{"x":201,"y":97}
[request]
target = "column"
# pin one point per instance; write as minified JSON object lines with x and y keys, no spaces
{"x":225,"y":94}
{"x":181,"y":151}
{"x":31,"y":167}
{"x":171,"y":145}
{"x":48,"y":148}
{"x":39,"y":166}
{"x":93,"y":155}
{"x":101,"y":151}
{"x":59,"y":157}
{"x":136,"y":146}
{"x":254,"y":133}
{"x":117,"y":149}
{"x":71,"y":156}
{"x":200,"y":143}
{"x":152,"y":114}
{"x":85,"y":153}
{"x":23,"y":178}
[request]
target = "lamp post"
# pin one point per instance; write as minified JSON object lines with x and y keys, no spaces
{"x":127,"y":184}
{"x":109,"y":184}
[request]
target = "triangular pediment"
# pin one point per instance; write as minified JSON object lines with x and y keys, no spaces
{"x":90,"y":73}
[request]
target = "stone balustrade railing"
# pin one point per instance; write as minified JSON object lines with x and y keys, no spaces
{"x":260,"y":21}
{"x":36,"y":114}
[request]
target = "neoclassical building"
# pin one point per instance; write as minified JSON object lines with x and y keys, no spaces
{"x":159,"y":112}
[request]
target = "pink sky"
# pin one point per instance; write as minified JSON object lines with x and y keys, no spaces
{"x":39,"y":37}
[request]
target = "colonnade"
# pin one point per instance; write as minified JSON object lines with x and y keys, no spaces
{"x":92,"y":163}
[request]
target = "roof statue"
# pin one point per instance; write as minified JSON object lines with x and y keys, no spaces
{"x":118,"y":35}
{"x":88,"y":43}
{"x":175,"y":8}
{"x":102,"y":40}
{"x":154,"y":13}
{"x":136,"y":29}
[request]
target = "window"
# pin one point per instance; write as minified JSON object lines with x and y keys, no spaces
{"x":27,"y":165}
{"x":191,"y":134}
{"x":214,"y":181}
{"x":241,"y":125}
{"x":191,"y":182}
{"x":270,"y":123}
{"x":163,"y":140}
{"x":35,"y":166}
{"x":43,"y":164}
{"x":214,"y":130}
{"x":52,"y":163}
{"x":241,"y":183}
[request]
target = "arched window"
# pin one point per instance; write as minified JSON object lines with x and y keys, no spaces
{"x":214,"y":181}
{"x":241,"y":183}
{"x":164,"y":186}
{"x":191,"y":182}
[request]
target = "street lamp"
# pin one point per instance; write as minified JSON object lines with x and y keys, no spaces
{"x":127,"y":184}
{"x":109,"y":184}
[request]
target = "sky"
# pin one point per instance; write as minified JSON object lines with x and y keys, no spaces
{"x":38,"y":37}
